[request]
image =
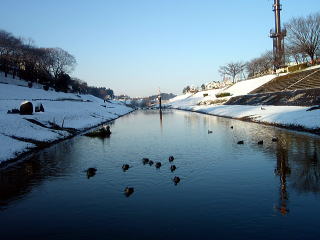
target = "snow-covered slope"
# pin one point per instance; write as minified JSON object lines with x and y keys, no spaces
{"x":16,"y":81}
{"x":18,"y":133}
{"x":239,"y":88}
{"x":244,"y":87}
{"x":290,"y":116}
{"x":287,"y":116}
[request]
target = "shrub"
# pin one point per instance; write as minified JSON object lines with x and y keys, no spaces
{"x":223,"y":94}
{"x":213,"y":102}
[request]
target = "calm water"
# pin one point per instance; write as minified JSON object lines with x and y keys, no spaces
{"x":227,"y":191}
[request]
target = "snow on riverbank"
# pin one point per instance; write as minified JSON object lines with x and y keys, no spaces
{"x":278,"y":115}
{"x":287,"y":116}
{"x":20,"y":133}
{"x":240,"y":88}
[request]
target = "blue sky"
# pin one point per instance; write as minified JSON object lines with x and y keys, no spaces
{"x":137,"y":46}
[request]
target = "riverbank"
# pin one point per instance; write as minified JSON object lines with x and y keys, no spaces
{"x":65,"y":115}
{"x":291,"y":117}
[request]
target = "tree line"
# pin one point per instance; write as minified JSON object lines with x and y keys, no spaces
{"x":48,"y":66}
{"x":302,"y":44}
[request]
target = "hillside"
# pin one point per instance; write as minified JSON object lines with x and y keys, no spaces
{"x":293,"y":117}
{"x":209,"y":96}
{"x":304,"y":79}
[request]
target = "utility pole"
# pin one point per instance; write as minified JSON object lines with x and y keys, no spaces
{"x":278,"y":35}
{"x":159,"y":98}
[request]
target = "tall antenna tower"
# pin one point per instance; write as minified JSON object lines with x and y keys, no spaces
{"x":278,"y":35}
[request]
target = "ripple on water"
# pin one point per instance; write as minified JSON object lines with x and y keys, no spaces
{"x":225,"y":189}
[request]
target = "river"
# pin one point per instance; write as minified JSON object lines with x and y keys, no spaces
{"x":226,"y":190}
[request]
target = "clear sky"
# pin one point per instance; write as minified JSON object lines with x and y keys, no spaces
{"x":137,"y":46}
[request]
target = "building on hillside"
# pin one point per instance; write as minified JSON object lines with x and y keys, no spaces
{"x":212,"y":85}
{"x":218,"y":85}
{"x":193,"y":89}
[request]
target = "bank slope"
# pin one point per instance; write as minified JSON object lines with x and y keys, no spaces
{"x":283,"y":116}
{"x":239,"y":88}
{"x":65,"y":115}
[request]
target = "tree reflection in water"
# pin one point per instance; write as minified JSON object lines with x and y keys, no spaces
{"x":17,"y":181}
{"x":297,"y":165}
{"x":306,"y":177}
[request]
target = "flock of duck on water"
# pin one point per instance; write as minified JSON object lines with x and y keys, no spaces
{"x":274,"y":139}
{"x":125,"y":167}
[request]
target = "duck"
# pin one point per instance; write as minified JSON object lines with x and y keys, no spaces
{"x":274,"y":139}
{"x":91,"y":172}
{"x":176,"y":180}
{"x":145,"y":160}
{"x":151,"y":162}
{"x":209,"y":131}
{"x":173,"y":168}
{"x":125,"y":167}
{"x":241,"y":142}
{"x":158,"y":164}
{"x":171,"y":158}
{"x":260,"y":142}
{"x":128,"y":191}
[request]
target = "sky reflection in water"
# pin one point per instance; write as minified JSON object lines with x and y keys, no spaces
{"x":226,"y":190}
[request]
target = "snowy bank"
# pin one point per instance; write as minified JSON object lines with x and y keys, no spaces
{"x":65,"y":115}
{"x":283,"y":116}
{"x":204,"y":97}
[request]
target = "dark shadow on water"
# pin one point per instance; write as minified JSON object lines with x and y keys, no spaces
{"x":17,"y":181}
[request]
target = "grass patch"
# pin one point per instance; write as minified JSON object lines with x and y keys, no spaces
{"x":213,"y":102}
{"x":223,"y":94}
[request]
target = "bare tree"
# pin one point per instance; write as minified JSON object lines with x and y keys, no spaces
{"x":295,"y":54}
{"x":49,"y":66}
{"x":9,"y":50}
{"x":265,"y":62}
{"x":303,"y":34}
{"x":232,"y":69}
{"x":60,"y":61}
{"x":260,"y":65}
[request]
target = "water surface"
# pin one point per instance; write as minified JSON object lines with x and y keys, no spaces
{"x":227,"y":191}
